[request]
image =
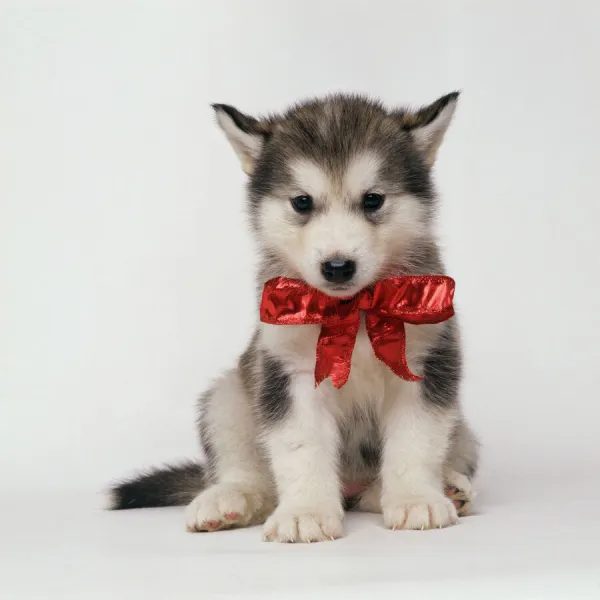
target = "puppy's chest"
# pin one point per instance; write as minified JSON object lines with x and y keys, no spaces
{"x":365,"y":365}
{"x":369,"y":379}
{"x":297,"y":347}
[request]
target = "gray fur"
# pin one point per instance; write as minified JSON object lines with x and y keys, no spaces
{"x":204,"y":434}
{"x":274,"y":397}
{"x":442,"y":369}
{"x":165,"y":486}
{"x":463,"y":455}
{"x":361,"y":447}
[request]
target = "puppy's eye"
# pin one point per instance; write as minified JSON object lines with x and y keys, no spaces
{"x":372,"y":202}
{"x":302,"y":204}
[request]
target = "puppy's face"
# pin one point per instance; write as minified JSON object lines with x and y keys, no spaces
{"x":340,"y":188}
{"x":340,"y":227}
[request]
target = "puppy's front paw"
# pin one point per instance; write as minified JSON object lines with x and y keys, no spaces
{"x":419,"y":512}
{"x":223,"y":506}
{"x":289,"y":525}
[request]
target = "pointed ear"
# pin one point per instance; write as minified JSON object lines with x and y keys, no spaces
{"x":429,"y":124}
{"x":246,"y":134}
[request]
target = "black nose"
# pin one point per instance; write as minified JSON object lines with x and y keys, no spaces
{"x":338,"y":270}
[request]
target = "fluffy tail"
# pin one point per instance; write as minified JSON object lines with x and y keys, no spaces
{"x":167,"y":486}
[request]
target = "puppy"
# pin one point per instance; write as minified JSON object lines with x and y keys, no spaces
{"x":340,"y":195}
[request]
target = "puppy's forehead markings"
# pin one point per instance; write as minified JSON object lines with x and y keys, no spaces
{"x":359,"y":176}
{"x":326,"y":118}
{"x":361,"y":173}
{"x":310,"y":177}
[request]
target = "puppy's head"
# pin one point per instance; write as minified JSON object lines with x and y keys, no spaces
{"x":340,"y":191}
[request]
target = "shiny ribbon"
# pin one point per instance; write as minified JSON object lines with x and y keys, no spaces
{"x":418,"y":300}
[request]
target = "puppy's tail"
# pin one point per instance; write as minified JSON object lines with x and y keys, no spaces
{"x":167,"y":486}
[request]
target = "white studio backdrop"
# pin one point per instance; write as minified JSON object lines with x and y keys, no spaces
{"x":126,"y":266}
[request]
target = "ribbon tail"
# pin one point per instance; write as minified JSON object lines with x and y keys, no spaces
{"x":388,"y":339}
{"x":334,"y":353}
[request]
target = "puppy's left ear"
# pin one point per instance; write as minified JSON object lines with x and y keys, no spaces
{"x":428,"y":125}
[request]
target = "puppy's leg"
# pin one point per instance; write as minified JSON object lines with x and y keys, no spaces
{"x":303,"y":449}
{"x":241,"y":492}
{"x":417,"y":436}
{"x":461,"y":466}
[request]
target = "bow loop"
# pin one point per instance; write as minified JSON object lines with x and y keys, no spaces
{"x":421,"y":299}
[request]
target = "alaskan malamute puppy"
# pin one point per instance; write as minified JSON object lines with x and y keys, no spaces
{"x":340,"y":195}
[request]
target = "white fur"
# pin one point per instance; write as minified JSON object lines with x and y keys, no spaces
{"x":303,"y":453}
{"x":311,"y":179}
{"x":334,"y":234}
{"x":415,"y":445}
{"x":224,"y":505}
{"x":340,"y":231}
{"x":244,"y":483}
{"x":361,"y":174}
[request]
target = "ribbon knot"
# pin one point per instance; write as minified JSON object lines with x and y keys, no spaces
{"x":365,"y":300}
{"x":420,"y":299}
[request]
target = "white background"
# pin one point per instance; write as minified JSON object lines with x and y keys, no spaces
{"x":126,"y":270}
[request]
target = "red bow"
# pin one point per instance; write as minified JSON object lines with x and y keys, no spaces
{"x":421,"y":299}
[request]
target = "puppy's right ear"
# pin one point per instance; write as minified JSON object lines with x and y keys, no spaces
{"x":246,"y":134}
